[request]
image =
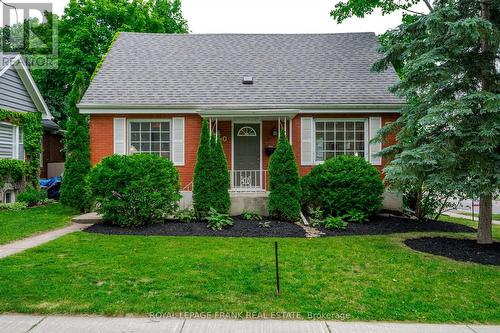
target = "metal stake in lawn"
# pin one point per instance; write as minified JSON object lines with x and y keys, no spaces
{"x":277,"y":269}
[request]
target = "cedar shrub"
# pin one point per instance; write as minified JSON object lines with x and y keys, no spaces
{"x":221,"y":200}
{"x":75,"y":190}
{"x":284,"y":182}
{"x":203,"y":180}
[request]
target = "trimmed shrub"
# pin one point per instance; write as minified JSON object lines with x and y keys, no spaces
{"x":284,"y":182}
{"x":211,"y":176}
{"x":135,"y":190}
{"x":32,"y":197}
{"x":220,"y":198}
{"x":202,"y":180}
{"x":75,"y":189}
{"x":343,"y":184}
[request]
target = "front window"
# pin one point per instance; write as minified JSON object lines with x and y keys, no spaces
{"x":11,"y":141}
{"x":150,"y":137}
{"x":340,"y":137}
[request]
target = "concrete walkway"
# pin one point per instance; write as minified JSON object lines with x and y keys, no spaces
{"x":455,"y":214}
{"x":27,"y":243}
{"x":63,"y":324}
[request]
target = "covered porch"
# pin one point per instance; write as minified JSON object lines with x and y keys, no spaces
{"x":249,"y":138}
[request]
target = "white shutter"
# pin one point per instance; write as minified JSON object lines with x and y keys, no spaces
{"x":119,"y":132}
{"x":306,"y":141}
{"x":7,"y":137}
{"x":375,"y":125}
{"x":178,"y":141}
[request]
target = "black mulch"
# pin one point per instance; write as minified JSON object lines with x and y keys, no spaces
{"x":378,"y":225}
{"x":240,"y":228}
{"x":458,"y":249}
{"x":388,"y":224}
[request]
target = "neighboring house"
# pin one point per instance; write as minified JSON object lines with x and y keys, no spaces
{"x":153,"y":90}
{"x":19,"y":93}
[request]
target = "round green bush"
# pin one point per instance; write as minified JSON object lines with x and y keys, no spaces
{"x":343,"y":184}
{"x":135,"y":190}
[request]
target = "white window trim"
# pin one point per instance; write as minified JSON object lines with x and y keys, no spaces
{"x":366,"y":141}
{"x":129,"y":132}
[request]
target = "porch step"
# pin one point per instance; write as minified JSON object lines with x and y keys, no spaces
{"x":89,"y":218}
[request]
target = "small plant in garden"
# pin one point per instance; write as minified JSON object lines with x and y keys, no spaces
{"x":251,"y":216}
{"x":356,"y":216}
{"x":135,"y":190}
{"x":342,"y":184}
{"x":186,"y":215}
{"x":32,"y":197}
{"x":217,"y":221}
{"x":315,"y":216}
{"x":15,"y":206}
{"x":334,"y":222}
{"x":284,"y":182}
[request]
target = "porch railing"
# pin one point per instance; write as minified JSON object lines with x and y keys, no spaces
{"x":244,"y":181}
{"x":249,"y":180}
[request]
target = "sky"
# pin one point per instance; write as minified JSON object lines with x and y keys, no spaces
{"x":266,"y":16}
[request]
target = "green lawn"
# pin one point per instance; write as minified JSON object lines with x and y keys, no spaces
{"x":365,"y":277}
{"x":20,"y":224}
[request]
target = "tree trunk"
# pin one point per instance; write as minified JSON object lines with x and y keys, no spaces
{"x":484,"y":228}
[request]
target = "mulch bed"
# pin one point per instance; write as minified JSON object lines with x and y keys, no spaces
{"x":378,"y":225}
{"x":458,"y":249}
{"x":240,"y":228}
{"x":388,"y":224}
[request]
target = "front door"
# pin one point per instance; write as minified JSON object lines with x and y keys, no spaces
{"x":246,"y":157}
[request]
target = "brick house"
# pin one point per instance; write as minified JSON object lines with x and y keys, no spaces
{"x":153,"y":90}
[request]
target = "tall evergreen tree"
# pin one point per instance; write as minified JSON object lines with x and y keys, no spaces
{"x":284,"y":182}
{"x":75,"y":190}
{"x":221,"y":200}
{"x":203,"y":180}
{"x":451,"y":125}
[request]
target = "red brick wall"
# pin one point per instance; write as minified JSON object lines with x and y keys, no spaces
{"x":101,"y":137}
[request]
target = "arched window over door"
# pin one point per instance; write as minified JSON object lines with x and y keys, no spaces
{"x":247,"y":131}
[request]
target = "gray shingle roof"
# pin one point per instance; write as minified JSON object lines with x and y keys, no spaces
{"x":168,"y":69}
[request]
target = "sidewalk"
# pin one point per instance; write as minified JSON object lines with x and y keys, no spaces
{"x":64,"y":324}
{"x":453,"y":214}
{"x":33,"y":241}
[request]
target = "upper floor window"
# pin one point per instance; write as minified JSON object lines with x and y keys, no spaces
{"x":336,"y":137}
{"x":150,"y":137}
{"x":11,"y":141}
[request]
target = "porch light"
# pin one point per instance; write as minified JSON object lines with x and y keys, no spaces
{"x":275,"y":131}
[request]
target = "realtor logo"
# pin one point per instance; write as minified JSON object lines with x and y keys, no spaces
{"x":28,"y":29}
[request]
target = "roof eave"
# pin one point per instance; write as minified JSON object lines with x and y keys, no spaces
{"x":87,"y":108}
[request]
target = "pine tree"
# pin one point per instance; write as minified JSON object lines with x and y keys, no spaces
{"x":284,"y":183}
{"x":450,"y":129}
{"x":75,"y":189}
{"x":221,"y":200}
{"x":203,"y":180}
